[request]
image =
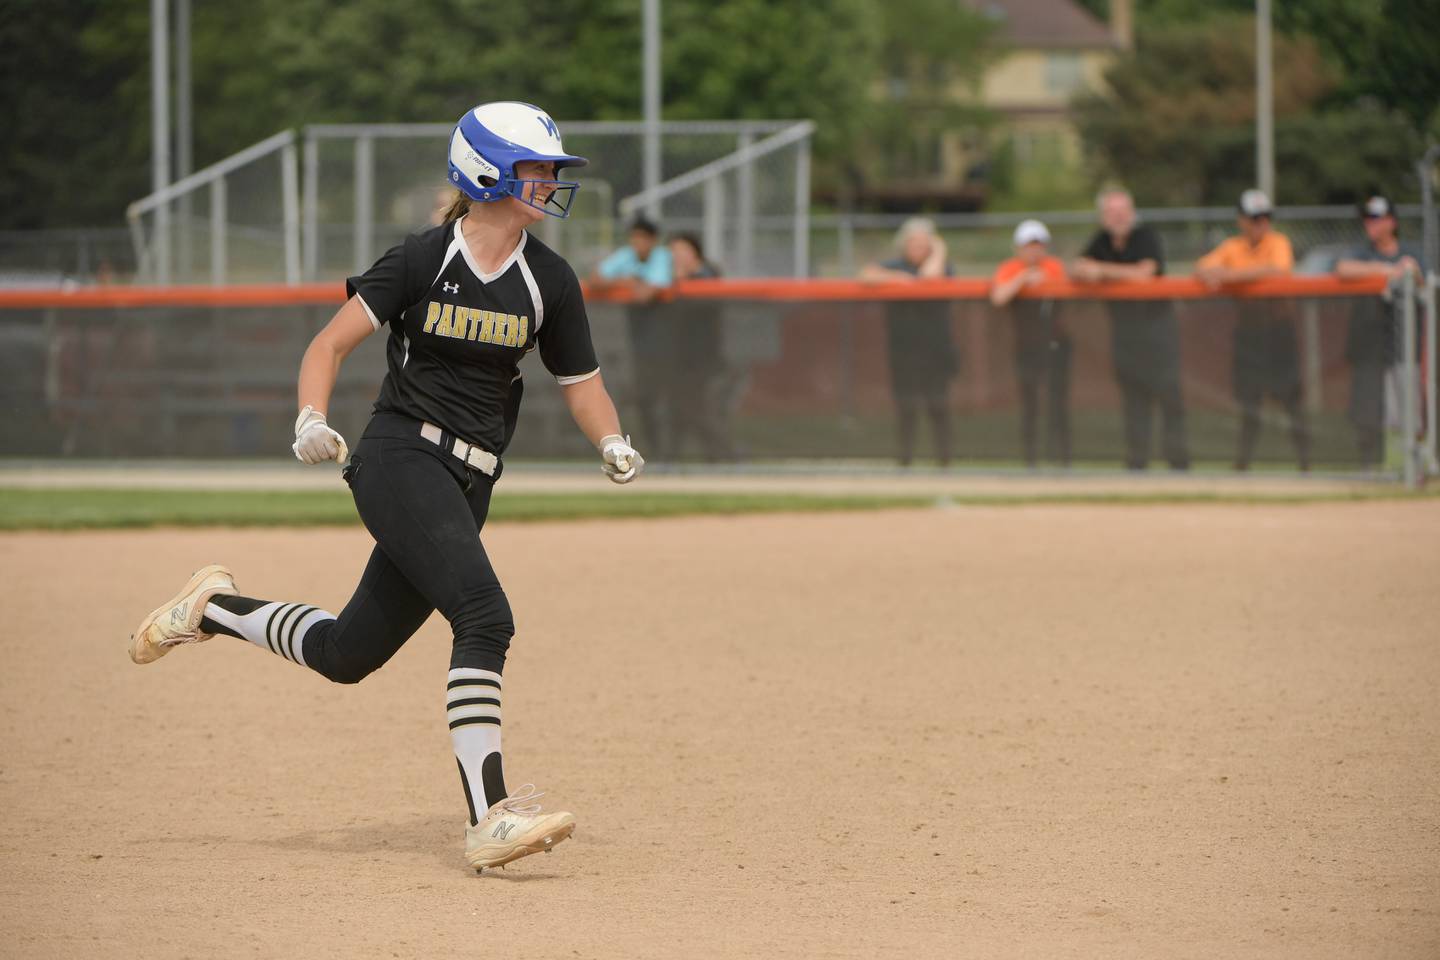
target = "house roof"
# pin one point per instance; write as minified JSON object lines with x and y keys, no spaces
{"x":1045,"y":23}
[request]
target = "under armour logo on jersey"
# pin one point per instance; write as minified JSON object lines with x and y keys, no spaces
{"x":549,"y":126}
{"x":502,"y":830}
{"x":451,"y":287}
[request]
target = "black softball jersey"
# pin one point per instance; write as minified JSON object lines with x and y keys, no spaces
{"x":457,"y":333}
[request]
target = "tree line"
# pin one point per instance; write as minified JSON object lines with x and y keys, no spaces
{"x":1356,"y":85}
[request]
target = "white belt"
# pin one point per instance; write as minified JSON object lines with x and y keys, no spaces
{"x":482,"y":460}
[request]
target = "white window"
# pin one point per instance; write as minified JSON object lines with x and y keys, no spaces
{"x":1063,"y":73}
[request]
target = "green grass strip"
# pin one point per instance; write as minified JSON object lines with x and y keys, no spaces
{"x":79,"y":509}
{"x":28,"y":509}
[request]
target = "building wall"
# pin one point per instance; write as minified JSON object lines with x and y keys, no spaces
{"x":1032,"y":80}
{"x":1032,"y":90}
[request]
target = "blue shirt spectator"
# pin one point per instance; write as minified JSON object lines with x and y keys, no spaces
{"x":642,"y":258}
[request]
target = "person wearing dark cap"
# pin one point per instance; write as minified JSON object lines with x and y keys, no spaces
{"x":1266,"y":357}
{"x":1144,"y":334}
{"x":643,"y":269}
{"x":1371,"y":340}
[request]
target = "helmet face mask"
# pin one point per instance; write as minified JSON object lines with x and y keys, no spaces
{"x":492,"y":139}
{"x":557,"y":204}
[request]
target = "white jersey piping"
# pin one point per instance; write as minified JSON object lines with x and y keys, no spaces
{"x":578,"y":378}
{"x":534,"y":289}
{"x":368,"y":312}
{"x":456,"y":245}
{"x":470,"y":260}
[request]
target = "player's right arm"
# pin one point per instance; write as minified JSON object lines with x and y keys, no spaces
{"x":315,"y":441}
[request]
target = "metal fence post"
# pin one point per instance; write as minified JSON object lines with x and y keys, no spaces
{"x":745,"y":215}
{"x":845,"y":242}
{"x":144,"y":254}
{"x":1432,"y":445}
{"x":1409,"y":398}
{"x":1425,"y":169}
{"x":802,"y":208}
{"x":364,"y":202}
{"x":714,"y":219}
{"x":290,"y":191}
{"x":219,"y":216}
{"x":311,"y":201}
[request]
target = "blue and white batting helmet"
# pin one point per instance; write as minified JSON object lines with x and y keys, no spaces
{"x":488,"y":142}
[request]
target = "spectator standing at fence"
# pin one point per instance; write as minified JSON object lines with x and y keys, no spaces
{"x":1043,"y":349}
{"x":1371,"y":342}
{"x":920,"y":348}
{"x":1266,"y":357}
{"x":1144,"y":334}
{"x":700,"y":403}
{"x":643,"y":270}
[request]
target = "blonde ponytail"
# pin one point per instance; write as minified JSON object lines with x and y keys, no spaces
{"x":457,"y":209}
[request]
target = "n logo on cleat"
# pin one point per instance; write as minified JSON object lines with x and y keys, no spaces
{"x":502,"y":830}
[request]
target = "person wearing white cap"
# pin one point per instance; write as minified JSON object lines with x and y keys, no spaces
{"x":1042,"y":347}
{"x":1371,"y":340}
{"x":919,"y":345}
{"x":1266,"y":358}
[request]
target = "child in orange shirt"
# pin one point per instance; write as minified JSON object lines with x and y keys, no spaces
{"x":1042,"y":348}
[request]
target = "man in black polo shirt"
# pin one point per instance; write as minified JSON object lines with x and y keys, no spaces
{"x":1371,"y":342}
{"x":1145,"y":337}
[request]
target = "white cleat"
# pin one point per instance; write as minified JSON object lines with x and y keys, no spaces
{"x":177,"y":621}
{"x":515,"y":828}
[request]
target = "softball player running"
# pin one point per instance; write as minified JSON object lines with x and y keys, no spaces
{"x":464,"y":301}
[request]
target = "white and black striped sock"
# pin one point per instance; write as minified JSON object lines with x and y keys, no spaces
{"x":472,"y":705}
{"x":277,"y":627}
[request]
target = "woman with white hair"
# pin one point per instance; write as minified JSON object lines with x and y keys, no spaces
{"x":917,"y":333}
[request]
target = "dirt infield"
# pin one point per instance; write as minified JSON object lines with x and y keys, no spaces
{"x":1205,"y":731}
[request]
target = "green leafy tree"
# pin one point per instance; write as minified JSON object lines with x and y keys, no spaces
{"x":1177,"y":121}
{"x":931,"y":77}
{"x":76,"y":151}
{"x":78,"y":87}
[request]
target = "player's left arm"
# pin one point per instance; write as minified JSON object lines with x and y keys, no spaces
{"x":594,"y":413}
{"x":591,"y":408}
{"x":569,"y":354}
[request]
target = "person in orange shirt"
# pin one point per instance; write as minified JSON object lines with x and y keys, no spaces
{"x":1042,"y":347}
{"x":1266,"y":359}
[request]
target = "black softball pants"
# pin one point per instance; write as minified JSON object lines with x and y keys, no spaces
{"x":425,"y":509}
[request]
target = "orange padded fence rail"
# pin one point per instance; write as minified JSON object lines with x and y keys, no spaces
{"x":278,"y":295}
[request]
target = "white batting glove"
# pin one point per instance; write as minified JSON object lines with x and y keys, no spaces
{"x":315,"y":442}
{"x":620,"y":461}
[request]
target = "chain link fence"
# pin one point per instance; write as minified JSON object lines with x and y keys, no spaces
{"x":842,"y":244}
{"x":368,"y":185}
{"x":770,"y":381}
